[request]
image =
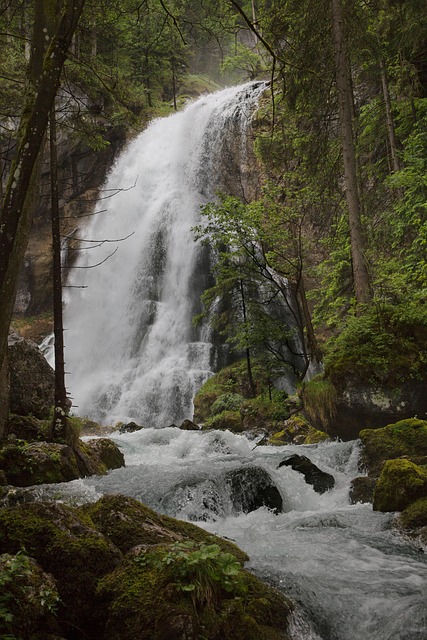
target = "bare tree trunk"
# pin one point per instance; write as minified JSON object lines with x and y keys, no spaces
{"x":59,"y":422}
{"x":343,"y":80}
{"x":247,"y":351}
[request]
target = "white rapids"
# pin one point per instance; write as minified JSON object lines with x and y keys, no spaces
{"x":352,"y":576}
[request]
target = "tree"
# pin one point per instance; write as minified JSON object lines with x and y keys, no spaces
{"x":345,"y":103}
{"x":44,"y":73}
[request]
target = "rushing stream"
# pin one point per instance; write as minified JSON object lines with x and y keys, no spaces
{"x":352,"y":575}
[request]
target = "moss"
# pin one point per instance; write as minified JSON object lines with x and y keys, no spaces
{"x":231,"y":420}
{"x":415,"y":516}
{"x":297,"y":430}
{"x":127,"y":522}
{"x":319,"y":400}
{"x":67,"y":545}
{"x":144,"y":602}
{"x":401,"y":482}
{"x":28,"y":597}
{"x":403,"y":438}
{"x":27,"y":464}
{"x":27,"y":428}
{"x":227,"y":402}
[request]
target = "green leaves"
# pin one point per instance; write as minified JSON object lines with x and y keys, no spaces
{"x":202,"y":570}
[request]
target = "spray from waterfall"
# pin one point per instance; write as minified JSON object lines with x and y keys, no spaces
{"x":131,"y":349}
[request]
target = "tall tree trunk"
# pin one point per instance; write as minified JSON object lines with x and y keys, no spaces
{"x":59,"y":422}
{"x":391,"y":133}
{"x":247,"y":350}
{"x":17,"y":205}
{"x":343,"y":80}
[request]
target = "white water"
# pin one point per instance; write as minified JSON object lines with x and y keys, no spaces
{"x":131,"y":349}
{"x":352,"y":576}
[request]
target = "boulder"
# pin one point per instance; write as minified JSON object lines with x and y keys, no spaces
{"x":362,"y":489}
{"x":320,"y":480}
{"x":189,"y":425}
{"x":25,"y":464}
{"x":29,"y":598}
{"x":413,"y":520}
{"x":66,"y":545}
{"x":32,"y":380}
{"x":149,"y":593}
{"x":252,"y":488}
{"x":401,"y":483}
{"x":106,"y":451}
{"x":26,"y":428}
{"x":130,"y":427}
{"x":404,"y":438}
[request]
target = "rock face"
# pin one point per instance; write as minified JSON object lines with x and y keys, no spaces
{"x":32,"y":379}
{"x":320,"y":480}
{"x":122,"y":571}
{"x":252,"y":488}
{"x":361,"y":406}
{"x":81,"y":171}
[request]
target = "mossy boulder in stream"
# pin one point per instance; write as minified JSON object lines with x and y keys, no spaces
{"x":404,"y":438}
{"x":401,"y":483}
{"x":413,"y":520}
{"x":123,"y":571}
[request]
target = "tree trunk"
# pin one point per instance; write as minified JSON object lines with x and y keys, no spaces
{"x":59,"y":422}
{"x":391,"y":133}
{"x":343,"y":80}
{"x":247,"y":351}
{"x":17,"y":209}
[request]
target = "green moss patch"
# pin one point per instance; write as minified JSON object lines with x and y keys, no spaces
{"x":403,"y":438}
{"x":401,"y":482}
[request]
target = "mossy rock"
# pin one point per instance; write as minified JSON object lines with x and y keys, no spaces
{"x":403,"y":438}
{"x":66,"y":544}
{"x":26,"y":464}
{"x":29,"y":598}
{"x":107,"y":452}
{"x":413,"y":520}
{"x":297,"y":430}
{"x":401,"y":482}
{"x":104,"y":595}
{"x":27,"y":428}
{"x":144,"y":600}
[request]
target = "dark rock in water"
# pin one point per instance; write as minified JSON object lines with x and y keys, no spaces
{"x":320,"y":480}
{"x":130,"y":427}
{"x":362,"y":489}
{"x":32,"y":380}
{"x":200,"y":501}
{"x":189,"y":425}
{"x":252,"y":488}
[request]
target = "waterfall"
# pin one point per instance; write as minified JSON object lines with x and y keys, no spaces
{"x":132,"y":352}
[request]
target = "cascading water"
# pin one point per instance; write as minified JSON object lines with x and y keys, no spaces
{"x":352,"y":576}
{"x":131,"y":349}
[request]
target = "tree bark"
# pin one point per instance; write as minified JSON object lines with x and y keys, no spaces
{"x":59,"y":422}
{"x":391,"y":133}
{"x":343,"y":81}
{"x":17,"y":205}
